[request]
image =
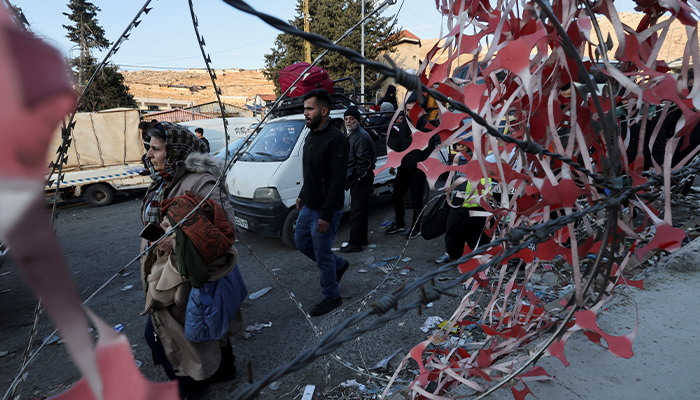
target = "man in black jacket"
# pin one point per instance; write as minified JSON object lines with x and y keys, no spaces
{"x":320,"y":202}
{"x":408,"y":176}
{"x":361,"y":162}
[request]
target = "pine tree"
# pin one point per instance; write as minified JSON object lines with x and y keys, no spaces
{"x":331,"y":18}
{"x":108,"y":89}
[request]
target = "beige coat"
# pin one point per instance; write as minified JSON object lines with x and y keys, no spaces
{"x":167,"y":292}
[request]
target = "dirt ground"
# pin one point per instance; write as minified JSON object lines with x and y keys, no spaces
{"x":97,"y":242}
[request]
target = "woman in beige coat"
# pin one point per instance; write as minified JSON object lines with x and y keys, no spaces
{"x":180,"y":171}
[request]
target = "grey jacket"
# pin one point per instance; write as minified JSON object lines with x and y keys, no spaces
{"x":362,"y":158}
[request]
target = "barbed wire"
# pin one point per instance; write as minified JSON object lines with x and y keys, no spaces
{"x":515,"y":240}
{"x":412,"y":82}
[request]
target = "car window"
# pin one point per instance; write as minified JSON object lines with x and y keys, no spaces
{"x":275,"y":141}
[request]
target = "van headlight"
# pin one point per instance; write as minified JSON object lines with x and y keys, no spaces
{"x":266,"y":195}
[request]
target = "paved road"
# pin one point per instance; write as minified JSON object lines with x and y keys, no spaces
{"x":98,"y":241}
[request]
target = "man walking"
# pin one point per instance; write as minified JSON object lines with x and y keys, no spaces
{"x":320,"y":202}
{"x":361,"y":162}
{"x":200,"y":134}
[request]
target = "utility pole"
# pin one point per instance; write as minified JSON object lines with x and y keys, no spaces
{"x":362,"y":50}
{"x":307,"y":28}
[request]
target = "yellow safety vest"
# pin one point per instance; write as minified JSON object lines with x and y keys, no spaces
{"x":473,"y":201}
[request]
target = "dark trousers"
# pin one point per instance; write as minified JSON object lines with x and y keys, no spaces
{"x":157,"y":349}
{"x":462,"y":228}
{"x":412,"y":180}
{"x":360,"y":192}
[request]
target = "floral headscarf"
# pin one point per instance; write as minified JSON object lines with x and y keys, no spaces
{"x":179,"y":143}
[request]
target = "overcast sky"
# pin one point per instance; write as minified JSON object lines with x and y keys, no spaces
{"x":166,"y":40}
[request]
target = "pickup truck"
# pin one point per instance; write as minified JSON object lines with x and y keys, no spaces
{"x":265,"y":181}
{"x":104,"y":157}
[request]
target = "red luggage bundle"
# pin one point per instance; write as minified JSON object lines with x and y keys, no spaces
{"x":314,"y":78}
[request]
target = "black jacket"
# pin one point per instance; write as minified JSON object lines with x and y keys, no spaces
{"x":362,"y":158}
{"x":324,"y":163}
{"x":401,"y":140}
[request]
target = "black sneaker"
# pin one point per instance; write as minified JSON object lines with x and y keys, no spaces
{"x":326,"y":306}
{"x":351,"y":248}
{"x":413,"y":234}
{"x":395,"y":228}
{"x":341,"y":272}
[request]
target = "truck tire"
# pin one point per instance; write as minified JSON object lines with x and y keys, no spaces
{"x":98,"y":195}
{"x":288,"y":228}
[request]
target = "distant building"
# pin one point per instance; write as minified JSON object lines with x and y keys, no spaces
{"x":151,"y":104}
{"x":176,"y":115}
{"x":261,"y":103}
{"x":406,"y":55}
{"x":212,"y":108}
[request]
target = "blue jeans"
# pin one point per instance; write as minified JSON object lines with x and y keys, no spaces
{"x":317,"y":246}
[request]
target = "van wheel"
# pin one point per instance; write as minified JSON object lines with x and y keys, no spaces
{"x":288,"y":228}
{"x":98,"y":195}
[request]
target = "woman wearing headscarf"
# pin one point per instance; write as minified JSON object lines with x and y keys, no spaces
{"x":192,"y":283}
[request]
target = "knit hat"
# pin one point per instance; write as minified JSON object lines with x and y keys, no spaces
{"x":386,"y":106}
{"x":391,"y":89}
{"x":412,"y":98}
{"x":353,"y":111}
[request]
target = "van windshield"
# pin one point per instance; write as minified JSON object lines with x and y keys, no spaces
{"x":275,"y":141}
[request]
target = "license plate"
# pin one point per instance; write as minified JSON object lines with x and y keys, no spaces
{"x":241,"y":222}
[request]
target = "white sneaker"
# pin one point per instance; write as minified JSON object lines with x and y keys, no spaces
{"x":443,"y":259}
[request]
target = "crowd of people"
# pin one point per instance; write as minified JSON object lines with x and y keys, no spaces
{"x":190,"y":277}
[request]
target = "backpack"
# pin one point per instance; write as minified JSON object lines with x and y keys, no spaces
{"x":435,"y":221}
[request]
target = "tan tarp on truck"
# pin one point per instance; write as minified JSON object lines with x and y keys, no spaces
{"x":102,"y":139}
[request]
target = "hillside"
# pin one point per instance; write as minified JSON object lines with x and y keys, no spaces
{"x":237,"y":85}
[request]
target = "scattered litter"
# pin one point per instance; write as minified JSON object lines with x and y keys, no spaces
{"x":259,"y":293}
{"x":353,"y":383}
{"x":257,"y":327}
{"x":6,"y":273}
{"x":127,"y":274}
{"x":138,"y":363}
{"x":118,"y":327}
{"x":335,"y":248}
{"x":4,"y":353}
{"x":373,"y":266}
{"x":276,"y":269}
{"x":275,"y":385}
{"x":345,"y":244}
{"x":372,"y":246}
{"x":369,"y":260}
{"x":403,"y":272}
{"x":429,"y":305}
{"x":371,"y":231}
{"x":381,"y":263}
{"x":406,"y":259}
{"x":454,"y":330}
{"x":308,"y":392}
{"x":547,"y":267}
{"x":410,"y":268}
{"x":385,"y":361}
{"x":390,"y":258}
{"x":246,"y":335}
{"x":386,"y":223}
{"x":51,"y":339}
{"x":127,"y":287}
{"x":5,"y":291}
{"x":430,"y":323}
{"x":362,"y":271}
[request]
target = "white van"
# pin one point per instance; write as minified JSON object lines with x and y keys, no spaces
{"x":265,"y":182}
{"x":214,"y":129}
